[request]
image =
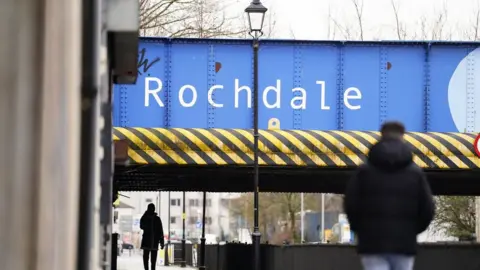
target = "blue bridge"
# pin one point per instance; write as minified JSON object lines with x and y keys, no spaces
{"x":190,"y":114}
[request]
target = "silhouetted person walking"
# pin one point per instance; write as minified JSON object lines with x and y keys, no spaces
{"x":388,"y":203}
{"x":152,"y":228}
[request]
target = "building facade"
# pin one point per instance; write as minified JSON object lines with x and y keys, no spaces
{"x":217,"y":217}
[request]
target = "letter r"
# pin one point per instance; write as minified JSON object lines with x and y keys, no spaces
{"x":153,"y":92}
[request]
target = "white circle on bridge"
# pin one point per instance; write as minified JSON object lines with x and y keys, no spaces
{"x":476,"y":145}
{"x":457,"y":91}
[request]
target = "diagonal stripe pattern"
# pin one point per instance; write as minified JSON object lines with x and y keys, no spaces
{"x":193,"y":146}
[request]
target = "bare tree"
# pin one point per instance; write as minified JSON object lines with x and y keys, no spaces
{"x":188,"y":18}
{"x":455,"y":216}
{"x":345,"y":31}
{"x":348,"y":31}
{"x":436,"y":28}
{"x":400,"y":28}
{"x":358,"y":5}
{"x":280,"y":209}
{"x":292,"y":33}
{"x":158,"y":16}
{"x":423,"y":35}
{"x":438,"y":31}
{"x":427,"y":29}
{"x":331,"y":28}
{"x":208,"y":19}
{"x":270,"y":24}
{"x":473,"y":31}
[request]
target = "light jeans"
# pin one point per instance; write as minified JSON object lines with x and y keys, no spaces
{"x":387,"y":262}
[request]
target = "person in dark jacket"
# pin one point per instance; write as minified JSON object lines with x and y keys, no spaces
{"x":388,"y":203}
{"x":152,"y":228}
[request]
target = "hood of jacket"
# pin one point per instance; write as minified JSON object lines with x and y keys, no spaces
{"x":390,"y":155}
{"x":147,"y":213}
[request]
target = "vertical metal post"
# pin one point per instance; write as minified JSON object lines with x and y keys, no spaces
{"x":184,"y":216}
{"x":322,"y":233}
{"x":256,"y":231}
{"x":302,"y":214}
{"x":90,"y":112}
{"x":202,"y":239}
{"x":167,"y":258}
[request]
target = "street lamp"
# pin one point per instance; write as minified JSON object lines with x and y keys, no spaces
{"x":256,"y":15}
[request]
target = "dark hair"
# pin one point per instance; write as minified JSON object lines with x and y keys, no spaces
{"x":392,"y":127}
{"x":151,"y":207}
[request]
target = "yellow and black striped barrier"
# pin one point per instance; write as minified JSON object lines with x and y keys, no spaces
{"x":116,"y":200}
{"x":193,"y":146}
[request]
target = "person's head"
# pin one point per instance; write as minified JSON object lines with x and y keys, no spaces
{"x":151,"y":207}
{"x":392,"y":130}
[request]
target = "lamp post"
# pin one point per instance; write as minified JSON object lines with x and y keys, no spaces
{"x":167,"y":255}
{"x":183,"y":264}
{"x":202,"y":239}
{"x":256,"y":15}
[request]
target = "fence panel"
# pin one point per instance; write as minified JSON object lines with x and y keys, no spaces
{"x":335,"y":257}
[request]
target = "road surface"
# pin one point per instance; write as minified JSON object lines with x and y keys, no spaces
{"x":134,"y":262}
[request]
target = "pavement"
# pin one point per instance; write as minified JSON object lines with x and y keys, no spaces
{"x":135,"y":262}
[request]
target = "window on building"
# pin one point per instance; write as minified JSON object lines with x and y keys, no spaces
{"x":224,"y":202}
{"x":192,"y":220}
{"x":194,"y":202}
{"x":175,"y":202}
{"x":208,"y":220}
{"x":209,"y":202}
{"x":148,"y":200}
{"x":173,"y":220}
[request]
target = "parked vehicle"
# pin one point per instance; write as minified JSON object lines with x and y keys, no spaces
{"x":127,"y":246}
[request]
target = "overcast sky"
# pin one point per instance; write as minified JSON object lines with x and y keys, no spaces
{"x":308,"y":19}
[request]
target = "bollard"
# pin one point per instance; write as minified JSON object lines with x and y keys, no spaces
{"x":167,"y":259}
{"x":114,"y":251}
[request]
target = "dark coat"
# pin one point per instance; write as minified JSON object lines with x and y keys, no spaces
{"x":152,"y":228}
{"x":388,"y":202}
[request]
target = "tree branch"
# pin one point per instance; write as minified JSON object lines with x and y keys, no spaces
{"x":358,"y":5}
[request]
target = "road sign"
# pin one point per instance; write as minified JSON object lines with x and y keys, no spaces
{"x":476,"y":145}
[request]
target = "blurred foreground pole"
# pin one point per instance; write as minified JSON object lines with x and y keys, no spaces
{"x":39,"y":133}
{"x":88,"y":232}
